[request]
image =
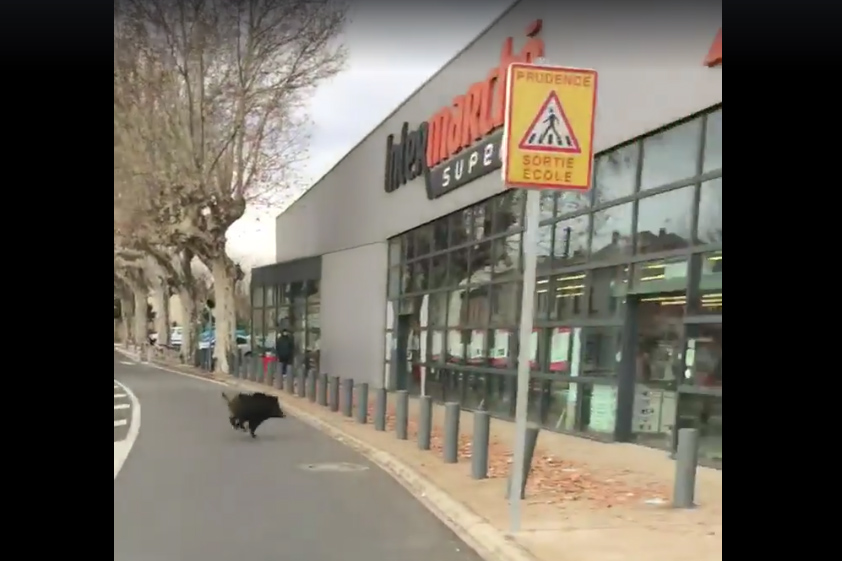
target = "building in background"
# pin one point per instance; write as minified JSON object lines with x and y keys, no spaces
{"x":418,"y":243}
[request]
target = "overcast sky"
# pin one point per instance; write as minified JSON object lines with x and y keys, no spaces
{"x":388,"y":60}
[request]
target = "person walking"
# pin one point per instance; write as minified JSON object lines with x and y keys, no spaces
{"x":284,"y":349}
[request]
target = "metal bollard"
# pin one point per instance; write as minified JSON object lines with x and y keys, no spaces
{"x":302,"y":379}
{"x":235,"y":365}
{"x":254,"y":364}
{"x":532,"y":432}
{"x":401,"y":414}
{"x":362,"y":403}
{"x":311,"y":386}
{"x":348,"y":397}
{"x":243,"y":368}
{"x":334,"y":394}
{"x":321,"y":389}
{"x":289,"y":380}
{"x":277,"y":376}
{"x":425,"y":421}
{"x":380,"y":400}
{"x":686,"y":459}
{"x":479,"y":445}
{"x":451,"y":432}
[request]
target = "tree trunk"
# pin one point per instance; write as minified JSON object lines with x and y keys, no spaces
{"x":126,"y":330}
{"x":162,"y":316}
{"x":189,"y":337}
{"x":141,"y":320}
{"x":224,"y":278}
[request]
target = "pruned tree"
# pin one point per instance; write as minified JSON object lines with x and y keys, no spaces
{"x":210,"y":94}
{"x":129,"y":270}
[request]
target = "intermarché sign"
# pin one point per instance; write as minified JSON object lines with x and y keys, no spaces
{"x":446,"y":148}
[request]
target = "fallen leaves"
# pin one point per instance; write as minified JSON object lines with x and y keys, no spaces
{"x":551,"y":480}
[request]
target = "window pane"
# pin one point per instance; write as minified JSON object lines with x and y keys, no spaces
{"x":713,"y":141}
{"x":461,"y":223}
{"x":437,"y":310}
{"x":455,"y":346}
{"x":394,"y":282}
{"x":607,"y":295}
{"x":710,"y":212}
{"x":710,"y":285}
{"x":704,"y":413}
{"x":476,"y":347}
{"x":283,"y":294}
{"x":394,"y":251}
{"x":455,"y":308}
{"x":506,"y":256}
{"x":616,"y":173}
{"x":508,"y":212}
{"x":671,"y":155}
{"x":282,"y":321}
{"x":568,"y":296}
{"x":544,"y":300}
{"x":270,"y":296}
{"x":482,"y":213}
{"x":662,"y":276}
{"x":457,"y":267}
{"x":557,"y":412}
{"x":560,"y":349}
{"x":423,"y":240}
{"x":600,"y":347}
{"x":664,"y":221}
{"x":501,"y":345}
{"x":703,"y":357}
{"x":436,"y":351}
{"x":571,"y":241}
{"x":480,"y":262}
{"x":440,"y":234}
{"x":598,"y":407}
{"x":438,"y":272}
{"x":612,"y":231}
{"x":257,"y":297}
{"x":417,"y":281}
{"x":653,"y":416}
{"x":505,"y":304}
{"x":475,"y":307}
{"x":548,"y":198}
{"x":572,"y":201}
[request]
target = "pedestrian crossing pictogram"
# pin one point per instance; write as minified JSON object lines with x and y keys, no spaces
{"x":550,"y":131}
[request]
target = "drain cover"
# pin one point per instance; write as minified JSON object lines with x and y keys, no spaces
{"x":334,"y":466}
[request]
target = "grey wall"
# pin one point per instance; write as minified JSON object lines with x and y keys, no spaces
{"x":353,"y":313}
{"x":650,"y":74}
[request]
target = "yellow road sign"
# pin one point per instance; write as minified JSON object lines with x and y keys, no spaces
{"x":548,"y":139}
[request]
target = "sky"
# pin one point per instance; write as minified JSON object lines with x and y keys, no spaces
{"x":387,"y":61}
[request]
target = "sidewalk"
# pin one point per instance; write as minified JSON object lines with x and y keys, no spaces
{"x":586,"y":500}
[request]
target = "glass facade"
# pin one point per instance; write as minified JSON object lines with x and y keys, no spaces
{"x":629,"y":288}
{"x":294,"y":306}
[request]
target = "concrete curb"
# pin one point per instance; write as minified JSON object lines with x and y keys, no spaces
{"x":482,"y":537}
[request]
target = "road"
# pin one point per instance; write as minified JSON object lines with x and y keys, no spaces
{"x":193,"y":489}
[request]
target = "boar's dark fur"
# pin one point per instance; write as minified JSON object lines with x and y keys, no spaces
{"x":247,"y":411}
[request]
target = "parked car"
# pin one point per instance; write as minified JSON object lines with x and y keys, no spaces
{"x":175,"y":337}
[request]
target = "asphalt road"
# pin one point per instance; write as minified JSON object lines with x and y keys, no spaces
{"x":193,"y":489}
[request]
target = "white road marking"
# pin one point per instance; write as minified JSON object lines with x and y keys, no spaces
{"x":116,"y":395}
{"x":121,"y":406}
{"x":123,"y":447}
{"x":121,"y":422}
{"x":127,"y":363}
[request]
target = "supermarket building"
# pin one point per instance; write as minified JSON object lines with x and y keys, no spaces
{"x":402,"y":265}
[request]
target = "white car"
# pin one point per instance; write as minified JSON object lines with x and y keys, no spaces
{"x":175,"y":336}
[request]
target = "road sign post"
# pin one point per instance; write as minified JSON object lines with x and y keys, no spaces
{"x":547,"y":144}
